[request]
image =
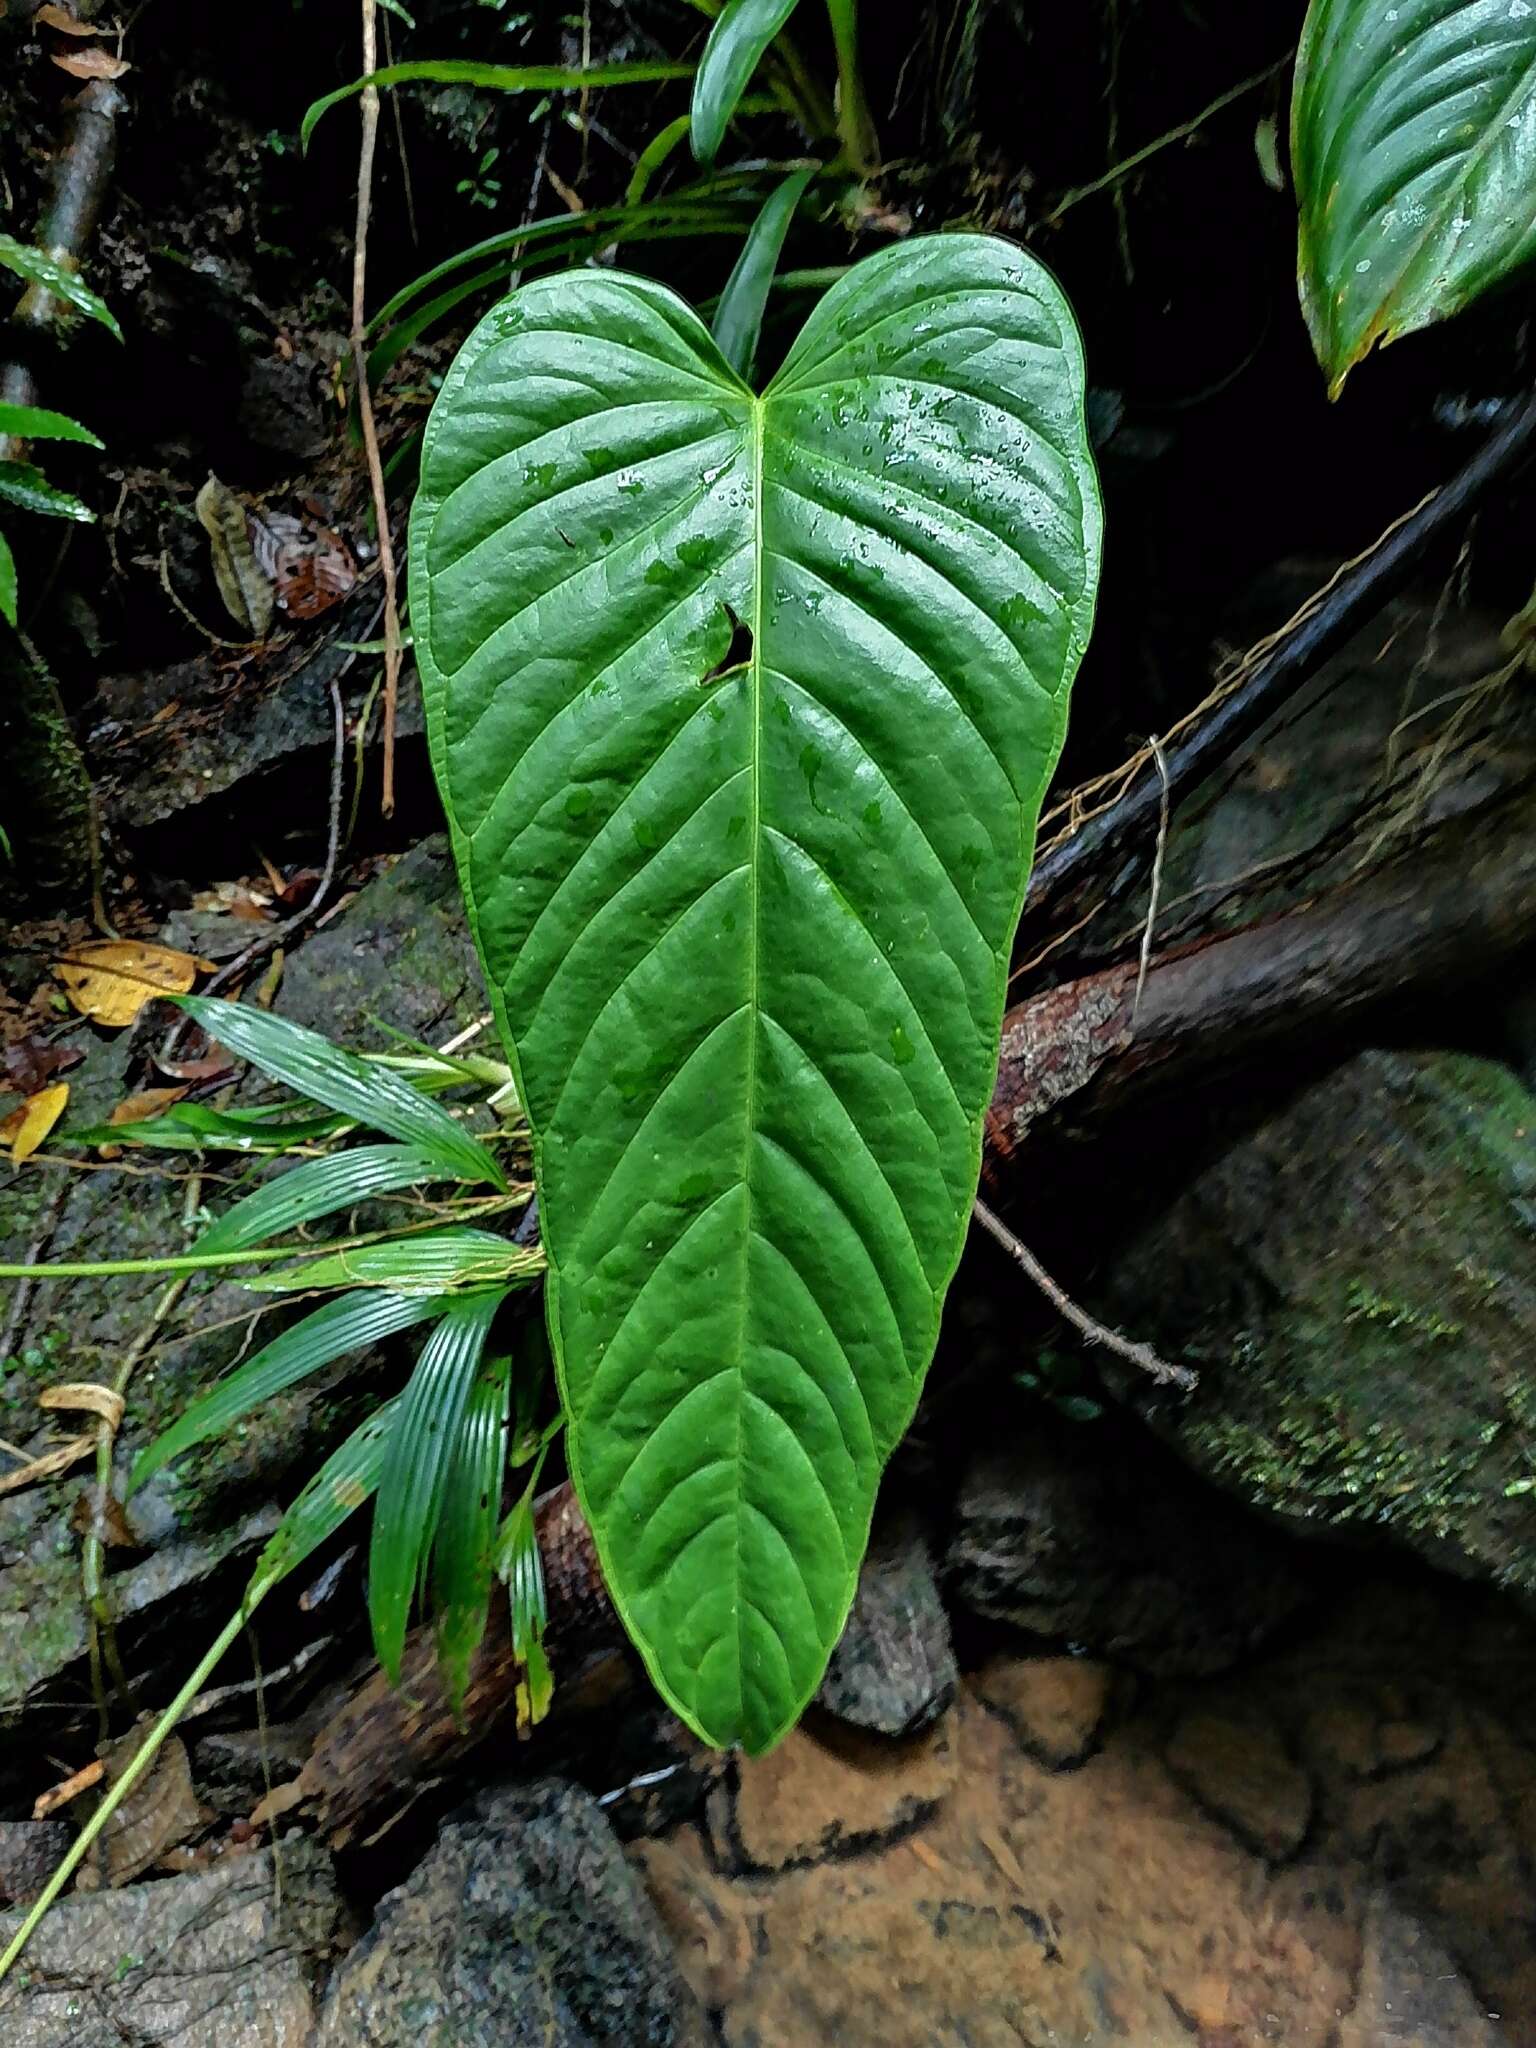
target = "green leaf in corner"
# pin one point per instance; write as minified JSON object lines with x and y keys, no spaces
{"x":433,"y":1263}
{"x":738,"y":319}
{"x":39,"y":268}
{"x":343,"y":1484}
{"x":1413,"y":142}
{"x":743,"y":709}
{"x":463,"y":1554}
{"x":351,"y":1324}
{"x":736,"y":46}
{"x":354,"y":1087}
{"x":428,"y":1418}
{"x":36,"y":423}
{"x":7,"y":582}
{"x":319,"y":1187}
{"x":24,"y":485}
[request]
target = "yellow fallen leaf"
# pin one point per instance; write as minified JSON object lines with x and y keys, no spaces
{"x":112,"y":979}
{"x":39,"y":1114}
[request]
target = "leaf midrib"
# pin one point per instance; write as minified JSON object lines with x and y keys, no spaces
{"x":754,"y":1030}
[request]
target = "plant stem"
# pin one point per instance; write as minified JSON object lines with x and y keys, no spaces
{"x":145,"y":1756}
{"x":370,"y":119}
{"x":855,"y":129}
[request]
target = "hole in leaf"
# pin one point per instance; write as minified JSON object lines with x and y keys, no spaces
{"x":737,"y":655}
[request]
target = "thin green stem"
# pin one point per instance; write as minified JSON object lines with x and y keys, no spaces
{"x":148,"y":1750}
{"x":206,"y":1262}
{"x":855,"y":127}
{"x":1185,"y":128}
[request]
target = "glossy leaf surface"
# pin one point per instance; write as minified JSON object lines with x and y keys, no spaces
{"x":341,"y":1486}
{"x":743,"y":709}
{"x":422,"y":1450}
{"x":318,"y":1188}
{"x":304,"y":1061}
{"x":737,"y":42}
{"x":432,"y":1263}
{"x":1414,"y":150}
{"x":738,"y":321}
{"x":39,"y":268}
{"x":354,"y":1323}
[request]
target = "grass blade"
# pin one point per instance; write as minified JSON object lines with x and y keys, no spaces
{"x":343,"y":1081}
{"x":318,"y":1188}
{"x":511,"y":245}
{"x":735,"y":48}
{"x":653,"y":156}
{"x":739,"y":316}
{"x":350,"y":1324}
{"x":496,"y":78}
{"x":434,"y":1262}
{"x":421,"y":1440}
{"x":463,"y":1556}
{"x":344,"y":1482}
{"x":7,"y":592}
{"x":193,"y":1127}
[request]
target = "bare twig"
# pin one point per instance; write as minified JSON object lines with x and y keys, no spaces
{"x":1112,"y":177}
{"x":1157,"y":881}
{"x":370,"y":119}
{"x":1141,"y":1355}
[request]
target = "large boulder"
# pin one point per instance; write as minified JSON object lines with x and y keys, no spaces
{"x":523,"y":1928}
{"x":1351,"y":1271}
{"x":234,"y":1955}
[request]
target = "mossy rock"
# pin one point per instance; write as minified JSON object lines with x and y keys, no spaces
{"x":1355,"y":1281}
{"x":400,"y":955}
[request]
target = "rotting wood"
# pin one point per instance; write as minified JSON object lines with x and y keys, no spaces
{"x":1451,"y":906}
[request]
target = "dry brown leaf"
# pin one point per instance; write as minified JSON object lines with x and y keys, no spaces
{"x":54,"y":16}
{"x":31,"y":1063}
{"x":213,"y":1066}
{"x":309,"y":561}
{"x":111,"y":980}
{"x":85,"y":1397}
{"x":246,"y":592}
{"x":133,"y":1109}
{"x":91,"y":64}
{"x":48,"y":1464}
{"x":110,"y":1528}
{"x":39,"y":1114}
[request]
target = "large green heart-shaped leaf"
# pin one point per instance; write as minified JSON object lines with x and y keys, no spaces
{"x":743,"y":708}
{"x":1414,"y":147}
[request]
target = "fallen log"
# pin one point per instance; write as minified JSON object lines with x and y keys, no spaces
{"x":1448,"y":910}
{"x":1459,"y":901}
{"x":1098,"y":856}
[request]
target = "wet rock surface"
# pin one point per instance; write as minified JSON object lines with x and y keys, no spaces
{"x":1094,"y":1538}
{"x":1257,"y":1858}
{"x":524,"y":1928}
{"x":1350,"y":1271}
{"x":227,"y":1958}
{"x":894,"y":1670}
